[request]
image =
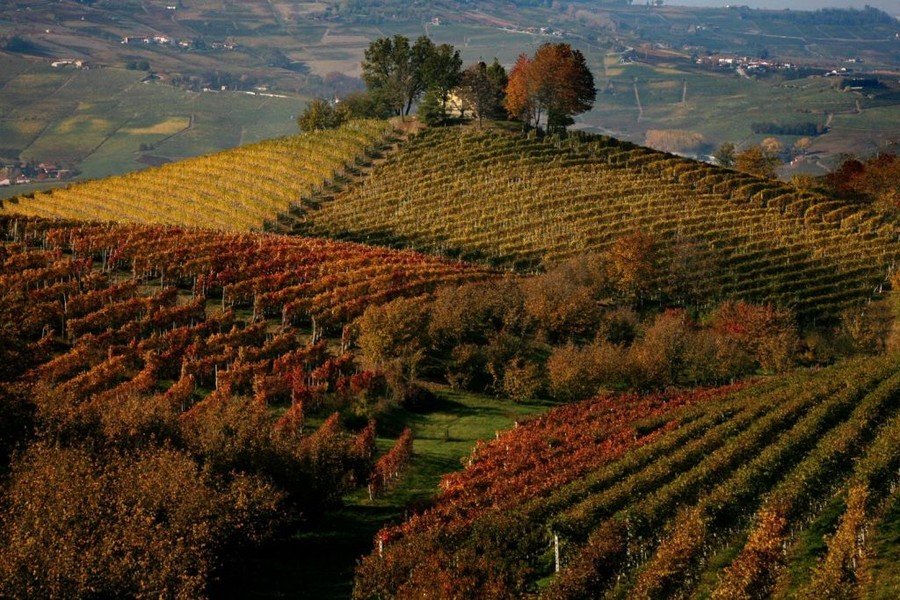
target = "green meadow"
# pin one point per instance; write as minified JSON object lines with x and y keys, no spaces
{"x":105,"y":121}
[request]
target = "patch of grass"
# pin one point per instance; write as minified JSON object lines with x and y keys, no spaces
{"x":883,"y":576}
{"x":318,"y":562}
{"x":709,"y":578}
{"x":810,"y":545}
{"x":445,"y":435}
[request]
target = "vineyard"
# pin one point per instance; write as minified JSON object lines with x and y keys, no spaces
{"x":116,"y":292}
{"x":707,"y":494}
{"x":198,"y":357}
{"x":524,"y":202}
{"x":179,"y":388}
{"x":234,"y":190}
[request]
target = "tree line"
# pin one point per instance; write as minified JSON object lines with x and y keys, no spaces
{"x":546,"y":89}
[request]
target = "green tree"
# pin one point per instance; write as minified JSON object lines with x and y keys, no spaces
{"x":441,"y":71}
{"x":319,"y":114}
{"x":483,"y":89}
{"x":397,"y":73}
{"x":387,"y":71}
{"x":431,"y":110}
{"x":725,"y":155}
{"x":361,"y":105}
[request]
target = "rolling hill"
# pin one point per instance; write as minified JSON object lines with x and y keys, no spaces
{"x":723,"y":494}
{"x":233,"y":190}
{"x":522,"y":202}
{"x":184,"y":396}
{"x":152,"y":338}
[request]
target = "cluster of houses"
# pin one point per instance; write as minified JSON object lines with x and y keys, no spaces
{"x":541,"y":31}
{"x":744,"y":63}
{"x":23,"y":173}
{"x":164,"y":40}
{"x":69,"y":62}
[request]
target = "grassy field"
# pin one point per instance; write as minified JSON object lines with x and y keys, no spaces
{"x":677,"y":95}
{"x":50,"y":114}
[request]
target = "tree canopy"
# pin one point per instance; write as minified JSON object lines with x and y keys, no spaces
{"x":554,"y":85}
{"x":758,"y":160}
{"x":397,"y":73}
{"x":483,"y":88}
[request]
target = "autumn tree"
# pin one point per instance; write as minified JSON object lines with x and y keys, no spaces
{"x":471,"y":324}
{"x":573,"y":372}
{"x":633,"y":265}
{"x":552,"y":86}
{"x":565,"y":302}
{"x":153,"y":523}
{"x":876,"y":180}
{"x":765,"y":333}
{"x":393,"y":336}
{"x":660,"y":357}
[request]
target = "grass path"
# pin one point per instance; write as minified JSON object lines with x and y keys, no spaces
{"x":319,"y":563}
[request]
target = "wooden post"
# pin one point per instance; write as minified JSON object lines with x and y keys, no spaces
{"x":556,"y":551}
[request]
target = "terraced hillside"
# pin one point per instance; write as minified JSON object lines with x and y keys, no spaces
{"x":292,"y":279}
{"x":500,"y":197}
{"x":238,"y":189}
{"x":171,"y":399}
{"x":722,"y":494}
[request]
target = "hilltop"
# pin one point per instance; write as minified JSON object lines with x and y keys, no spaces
{"x":108,"y":87}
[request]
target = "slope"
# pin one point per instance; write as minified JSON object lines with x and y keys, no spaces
{"x":646,"y":497}
{"x":522,"y":202}
{"x":169,"y":393}
{"x":237,"y":189}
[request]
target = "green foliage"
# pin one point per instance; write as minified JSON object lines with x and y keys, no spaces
{"x":725,"y":156}
{"x":397,"y":74}
{"x":319,"y":114}
{"x":431,"y":110}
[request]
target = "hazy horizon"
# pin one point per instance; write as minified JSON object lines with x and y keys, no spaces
{"x":889,"y":6}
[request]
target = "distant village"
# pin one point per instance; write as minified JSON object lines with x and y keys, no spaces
{"x":164,"y":40}
{"x":744,"y":64}
{"x":28,"y":172}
